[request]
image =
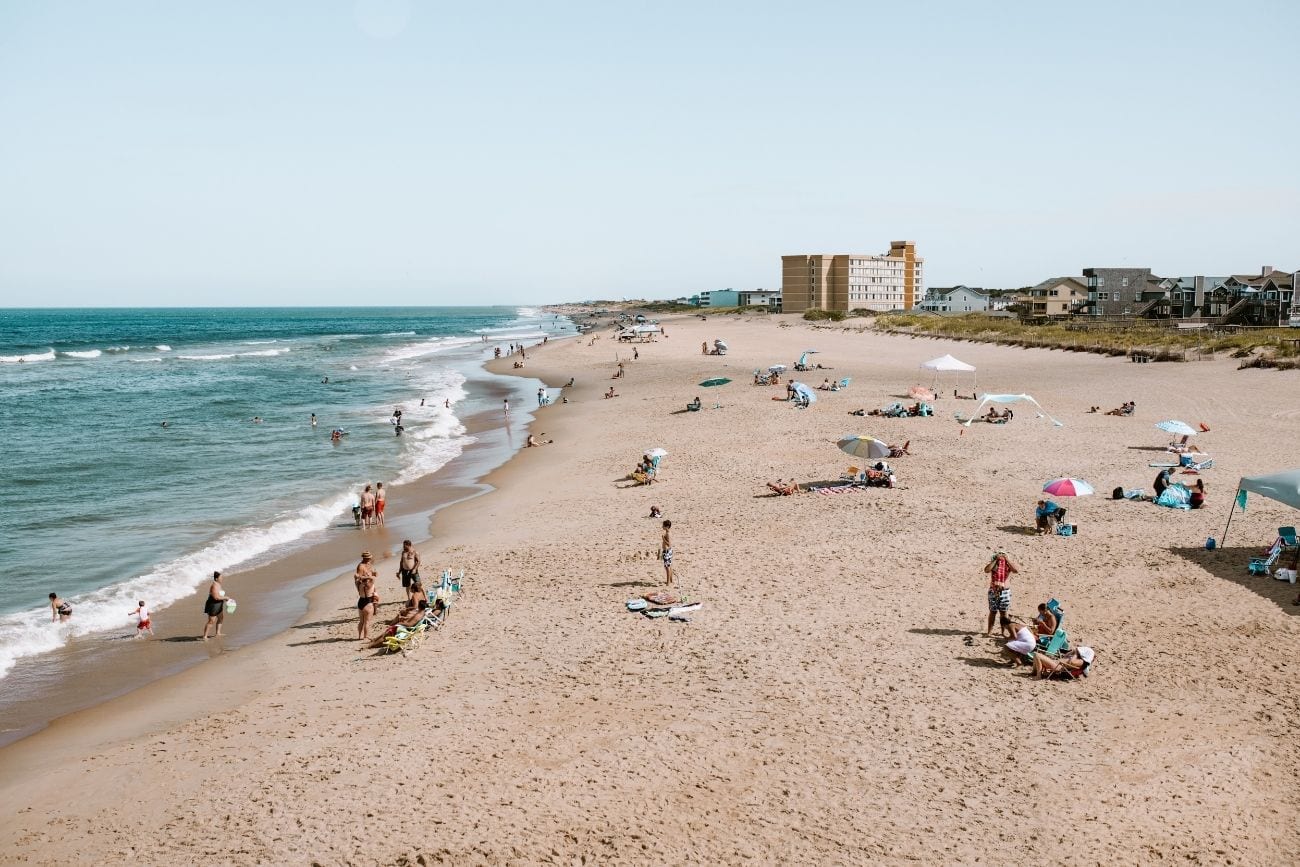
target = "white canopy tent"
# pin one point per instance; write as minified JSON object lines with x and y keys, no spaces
{"x":948,"y":364}
{"x":1282,"y":486}
{"x":1009,"y":398}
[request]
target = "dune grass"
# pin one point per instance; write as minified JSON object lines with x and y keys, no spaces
{"x":1263,"y":347}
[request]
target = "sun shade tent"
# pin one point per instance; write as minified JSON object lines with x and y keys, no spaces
{"x":1282,"y":486}
{"x":1008,"y":398}
{"x":948,"y":364}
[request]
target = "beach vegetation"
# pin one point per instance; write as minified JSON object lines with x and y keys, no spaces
{"x":1264,"y":347}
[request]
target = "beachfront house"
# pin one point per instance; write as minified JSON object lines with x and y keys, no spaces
{"x":720,"y":298}
{"x":769,"y":299}
{"x":1054,"y":298}
{"x":956,"y":299}
{"x":853,"y":281}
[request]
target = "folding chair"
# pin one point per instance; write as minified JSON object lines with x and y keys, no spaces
{"x":1263,"y":565}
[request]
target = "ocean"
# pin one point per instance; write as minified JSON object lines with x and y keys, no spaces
{"x":111,"y":506}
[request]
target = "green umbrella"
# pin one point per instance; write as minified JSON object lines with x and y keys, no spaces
{"x":710,"y":383}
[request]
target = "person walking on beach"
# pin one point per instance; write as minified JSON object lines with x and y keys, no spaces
{"x":408,"y":567}
{"x":381,"y":500}
{"x":367,"y":601}
{"x":143,"y":624}
{"x":214,"y":606}
{"x":666,"y":552}
{"x":506,"y":404}
{"x":367,"y":507}
{"x":61,"y":610}
{"x":999,"y":569}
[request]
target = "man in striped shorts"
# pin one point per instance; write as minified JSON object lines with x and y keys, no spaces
{"x":999,"y":569}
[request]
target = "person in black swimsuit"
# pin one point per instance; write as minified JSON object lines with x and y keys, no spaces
{"x":62,"y":611}
{"x":214,"y":606}
{"x":367,"y":601}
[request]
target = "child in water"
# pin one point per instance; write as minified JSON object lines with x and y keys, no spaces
{"x":143,"y":624}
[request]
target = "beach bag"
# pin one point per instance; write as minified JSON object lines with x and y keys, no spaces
{"x":1210,"y":544}
{"x":1117,"y":494}
{"x":230,"y":606}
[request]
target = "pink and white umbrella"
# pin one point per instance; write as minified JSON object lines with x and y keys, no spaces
{"x":1068,"y":487}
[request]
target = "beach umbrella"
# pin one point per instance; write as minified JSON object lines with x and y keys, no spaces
{"x":720,"y":344}
{"x":776,"y":368}
{"x":1067,"y":487}
{"x":657,"y":453}
{"x":804,"y":392}
{"x":1176,"y":427}
{"x":867,"y":448}
{"x":715,"y":382}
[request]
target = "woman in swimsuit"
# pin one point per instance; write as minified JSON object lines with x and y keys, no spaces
{"x":214,"y":606}
{"x":367,"y":601}
{"x":61,"y":610}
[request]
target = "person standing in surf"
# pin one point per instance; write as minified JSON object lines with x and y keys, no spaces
{"x":381,"y":500}
{"x":367,"y":507}
{"x":214,"y":606}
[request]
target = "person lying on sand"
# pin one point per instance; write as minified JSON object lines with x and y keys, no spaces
{"x":1094,"y":409}
{"x":899,"y":451}
{"x":785,"y":489}
{"x":1125,"y":408}
{"x":1073,"y":664}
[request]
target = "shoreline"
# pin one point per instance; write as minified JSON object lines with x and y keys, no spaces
{"x":825,"y":680}
{"x":273,"y":593}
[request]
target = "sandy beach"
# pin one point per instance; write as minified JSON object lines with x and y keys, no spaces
{"x":823,"y":706}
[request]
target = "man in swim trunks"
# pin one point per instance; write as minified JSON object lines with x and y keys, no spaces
{"x":666,"y":552}
{"x":367,"y":507}
{"x":999,"y":569}
{"x":381,"y":500}
{"x":408,"y":567}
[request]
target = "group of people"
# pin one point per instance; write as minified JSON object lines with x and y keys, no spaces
{"x":996,"y":416}
{"x":1124,"y":409}
{"x":1023,"y":643}
{"x":416,"y":607}
{"x":369,"y":510}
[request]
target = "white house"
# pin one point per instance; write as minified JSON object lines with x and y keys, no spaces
{"x":956,"y":299}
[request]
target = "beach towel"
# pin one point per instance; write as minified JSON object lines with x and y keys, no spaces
{"x":1175,"y":497}
{"x":662,"y":598}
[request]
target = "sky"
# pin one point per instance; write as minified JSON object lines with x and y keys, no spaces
{"x":404,"y":152}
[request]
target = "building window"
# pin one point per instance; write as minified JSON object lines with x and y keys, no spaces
{"x":1124,"y":281}
{"x":1103,"y":296}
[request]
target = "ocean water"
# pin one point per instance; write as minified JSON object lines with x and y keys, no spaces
{"x":108,"y":506}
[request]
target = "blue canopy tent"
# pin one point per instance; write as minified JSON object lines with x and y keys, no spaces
{"x":1282,"y":486}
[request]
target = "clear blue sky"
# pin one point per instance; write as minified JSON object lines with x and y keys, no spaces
{"x":386,"y":151}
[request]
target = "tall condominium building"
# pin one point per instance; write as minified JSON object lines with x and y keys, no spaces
{"x":853,"y":281}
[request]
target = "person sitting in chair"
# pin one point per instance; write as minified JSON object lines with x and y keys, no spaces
{"x":1047,"y":516}
{"x":1073,"y":664}
{"x":694,"y":406}
{"x":1045,"y":623}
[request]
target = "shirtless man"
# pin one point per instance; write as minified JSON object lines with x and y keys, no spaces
{"x":367,"y":601}
{"x":408,"y":567}
{"x":367,"y":507}
{"x":381,"y":500}
{"x":666,"y":552}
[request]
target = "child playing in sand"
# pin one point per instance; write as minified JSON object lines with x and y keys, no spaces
{"x":143,"y":623}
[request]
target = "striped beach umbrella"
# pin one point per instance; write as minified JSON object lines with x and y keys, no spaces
{"x":1067,"y":487}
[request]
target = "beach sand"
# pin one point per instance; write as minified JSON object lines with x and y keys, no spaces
{"x":821,"y":707}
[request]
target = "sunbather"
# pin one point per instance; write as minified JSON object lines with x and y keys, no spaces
{"x":1198,"y":495}
{"x":1073,"y":664}
{"x":785,"y":489}
{"x":1045,"y":623}
{"x":1125,"y":408}
{"x":899,"y":451}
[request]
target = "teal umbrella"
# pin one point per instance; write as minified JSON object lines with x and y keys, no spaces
{"x":714,"y":383}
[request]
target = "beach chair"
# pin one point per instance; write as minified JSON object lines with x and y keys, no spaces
{"x":1263,"y":565}
{"x":1287,"y":535}
{"x":405,"y":638}
{"x":442,"y":597}
{"x":844,"y":383}
{"x":1055,"y":644}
